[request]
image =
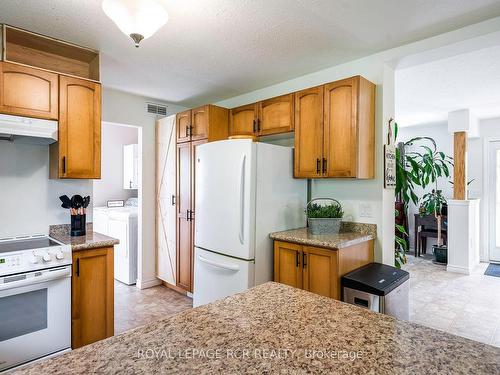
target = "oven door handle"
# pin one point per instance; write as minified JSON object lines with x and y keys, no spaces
{"x":45,"y":276}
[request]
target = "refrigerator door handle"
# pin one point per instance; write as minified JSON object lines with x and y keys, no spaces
{"x":229,"y":267}
{"x":242,"y":201}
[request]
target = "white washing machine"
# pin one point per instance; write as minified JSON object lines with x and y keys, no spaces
{"x":120,"y":223}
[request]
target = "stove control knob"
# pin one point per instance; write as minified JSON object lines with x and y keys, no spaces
{"x":46,"y":257}
{"x":34,"y":259}
{"x":59,"y":255}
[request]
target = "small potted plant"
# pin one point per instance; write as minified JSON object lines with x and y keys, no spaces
{"x":324,"y":219}
{"x":432,"y":204}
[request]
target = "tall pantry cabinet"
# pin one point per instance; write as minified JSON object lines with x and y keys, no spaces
{"x":192,"y":128}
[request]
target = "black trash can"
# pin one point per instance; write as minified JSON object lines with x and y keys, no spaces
{"x":379,"y":288}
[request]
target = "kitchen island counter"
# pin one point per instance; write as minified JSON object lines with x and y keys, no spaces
{"x":276,"y":328}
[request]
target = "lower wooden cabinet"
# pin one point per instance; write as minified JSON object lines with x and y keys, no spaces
{"x":318,"y":270}
{"x":92,"y":296}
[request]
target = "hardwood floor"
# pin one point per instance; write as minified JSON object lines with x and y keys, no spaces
{"x":135,"y":307}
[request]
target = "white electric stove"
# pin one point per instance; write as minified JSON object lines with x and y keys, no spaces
{"x":35,"y":299}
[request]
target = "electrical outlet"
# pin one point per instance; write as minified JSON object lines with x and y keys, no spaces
{"x":365,"y":210}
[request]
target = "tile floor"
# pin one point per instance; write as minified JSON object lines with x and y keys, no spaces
{"x":467,"y":306}
{"x":135,"y":307}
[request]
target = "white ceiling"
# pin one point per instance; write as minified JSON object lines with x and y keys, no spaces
{"x":426,"y":93}
{"x":215,"y":49}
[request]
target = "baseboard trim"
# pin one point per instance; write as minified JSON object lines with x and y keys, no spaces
{"x":147,"y":283}
{"x":458,"y":269}
{"x":175,"y":288}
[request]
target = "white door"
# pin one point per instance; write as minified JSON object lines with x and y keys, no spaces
{"x":494,"y":201}
{"x":217,"y":276}
{"x":165,"y":200}
{"x":225,"y":197}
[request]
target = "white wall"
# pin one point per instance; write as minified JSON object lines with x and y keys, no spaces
{"x":110,"y":186}
{"x":29,"y":200}
{"x":444,"y":141}
{"x":123,"y":108}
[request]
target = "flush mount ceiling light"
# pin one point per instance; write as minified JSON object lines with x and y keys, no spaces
{"x":138,"y":19}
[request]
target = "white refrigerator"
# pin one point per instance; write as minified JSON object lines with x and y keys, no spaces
{"x":244,"y":190}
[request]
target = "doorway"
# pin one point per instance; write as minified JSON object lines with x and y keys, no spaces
{"x":494,"y":199}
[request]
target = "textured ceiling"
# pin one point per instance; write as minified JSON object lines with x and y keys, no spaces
{"x":215,"y":49}
{"x":426,"y":93}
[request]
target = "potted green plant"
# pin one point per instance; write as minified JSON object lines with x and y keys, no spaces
{"x":432,"y":203}
{"x":324,"y":219}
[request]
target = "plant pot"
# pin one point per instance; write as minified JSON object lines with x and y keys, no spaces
{"x":440,"y":254}
{"x":324,"y":225}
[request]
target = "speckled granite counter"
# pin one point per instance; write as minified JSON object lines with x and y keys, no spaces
{"x":274,"y":328}
{"x":350,"y":234}
{"x":91,"y":240}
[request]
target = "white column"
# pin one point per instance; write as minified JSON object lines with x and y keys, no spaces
{"x":463,"y":235}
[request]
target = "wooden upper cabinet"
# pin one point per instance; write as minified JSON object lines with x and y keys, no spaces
{"x":77,"y":154}
{"x":206,"y":122}
{"x":340,"y":135}
{"x":337,"y":137}
{"x":243,"y":120}
{"x":92,"y":301}
{"x":308,"y":133}
{"x":288,"y":263}
{"x":319,"y":268}
{"x":30,"y":92}
{"x":199,"y":123}
{"x":276,"y":115}
{"x":183,"y":125}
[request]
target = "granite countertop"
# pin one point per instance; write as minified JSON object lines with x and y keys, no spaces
{"x":92,"y":240}
{"x":274,"y":328}
{"x":350,"y":234}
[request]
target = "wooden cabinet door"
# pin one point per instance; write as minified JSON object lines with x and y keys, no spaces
{"x":199,"y":123}
{"x":194,"y":145}
{"x":184,"y":235}
{"x":183,"y":124}
{"x":308,"y":133}
{"x":340,"y":134}
{"x":92,"y":301}
{"x":25,"y":91}
{"x":243,"y":120}
{"x":288,"y":263}
{"x":79,"y":128}
{"x":320,"y":269}
{"x":276,"y":115}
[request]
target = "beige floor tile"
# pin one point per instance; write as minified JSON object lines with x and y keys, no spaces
{"x":465,"y":305}
{"x":135,"y":307}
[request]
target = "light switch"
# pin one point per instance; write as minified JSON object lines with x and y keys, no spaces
{"x":365,"y":210}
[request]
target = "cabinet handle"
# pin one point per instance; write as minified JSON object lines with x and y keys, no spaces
{"x":187,"y":214}
{"x":258,"y":125}
{"x":188,"y":131}
{"x":64,"y":165}
{"x":324,"y":165}
{"x":254,"y":126}
{"x":318,"y":165}
{"x":304,"y":260}
{"x":173,"y":200}
{"x":130,"y":184}
{"x":191,"y":128}
{"x":297,"y":259}
{"x":78,"y":267}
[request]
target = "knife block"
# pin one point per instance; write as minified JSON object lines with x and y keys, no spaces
{"x":78,"y":225}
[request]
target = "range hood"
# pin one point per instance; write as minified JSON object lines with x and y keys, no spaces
{"x":27,"y":130}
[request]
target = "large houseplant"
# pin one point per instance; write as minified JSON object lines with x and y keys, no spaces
{"x":433,"y":203}
{"x":419,"y":163}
